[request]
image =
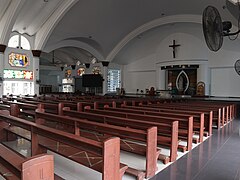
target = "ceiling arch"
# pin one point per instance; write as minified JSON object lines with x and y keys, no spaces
{"x":75,"y":43}
{"x":103,"y":27}
{"x":150,"y":25}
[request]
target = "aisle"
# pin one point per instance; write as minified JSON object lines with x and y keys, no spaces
{"x":218,"y":158}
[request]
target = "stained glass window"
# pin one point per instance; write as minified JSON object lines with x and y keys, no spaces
{"x":68,"y":73}
{"x":80,"y":71}
{"x":17,"y":74}
{"x":18,"y":60}
{"x":96,"y":70}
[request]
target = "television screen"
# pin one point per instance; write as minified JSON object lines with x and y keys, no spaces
{"x":92,"y":80}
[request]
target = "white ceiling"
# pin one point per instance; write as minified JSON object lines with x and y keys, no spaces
{"x":99,"y":25}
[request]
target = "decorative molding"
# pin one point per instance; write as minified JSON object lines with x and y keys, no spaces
{"x":177,"y":80}
{"x":180,"y":67}
{"x":2,"y":48}
{"x":75,"y":43}
{"x":87,"y":65}
{"x":36,"y":53}
{"x":186,"y":18}
{"x":182,"y":62}
{"x":105,"y":63}
{"x":73,"y":67}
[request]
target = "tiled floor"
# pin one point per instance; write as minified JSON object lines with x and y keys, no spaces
{"x":218,"y":158}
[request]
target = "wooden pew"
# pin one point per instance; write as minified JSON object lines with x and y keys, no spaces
{"x":216,"y":116}
{"x":200,"y":120}
{"x":28,"y":108}
{"x":100,"y":132}
{"x":229,"y":106}
{"x":51,"y":105}
{"x":24,"y":109}
{"x":185,"y":124}
{"x":14,"y":166}
{"x":171,"y":127}
{"x":107,"y":153}
{"x":189,"y":125}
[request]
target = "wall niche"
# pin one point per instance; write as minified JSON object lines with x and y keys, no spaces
{"x":182,"y":79}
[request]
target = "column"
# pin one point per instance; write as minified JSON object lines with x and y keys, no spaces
{"x":161,"y":79}
{"x":2,"y":50}
{"x":203,"y":75}
{"x":105,"y":74}
{"x":36,"y":78}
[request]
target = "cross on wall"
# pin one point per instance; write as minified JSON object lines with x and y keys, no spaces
{"x":174,"y":45}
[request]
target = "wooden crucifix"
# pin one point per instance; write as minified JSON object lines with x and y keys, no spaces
{"x":174,"y":45}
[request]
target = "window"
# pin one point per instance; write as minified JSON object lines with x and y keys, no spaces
{"x":25,"y":43}
{"x":18,"y":88}
{"x":17,"y":74}
{"x":19,"y":41}
{"x":113,"y":80}
{"x":14,"y":41}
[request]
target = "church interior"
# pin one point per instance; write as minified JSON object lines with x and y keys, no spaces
{"x":119,"y":90}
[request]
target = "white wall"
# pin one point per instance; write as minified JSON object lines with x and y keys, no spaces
{"x":140,"y":80}
{"x":140,"y":74}
{"x":143,"y":71}
{"x":51,"y":77}
{"x":225,"y":82}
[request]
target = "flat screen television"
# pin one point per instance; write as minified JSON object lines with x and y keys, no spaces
{"x":92,"y":80}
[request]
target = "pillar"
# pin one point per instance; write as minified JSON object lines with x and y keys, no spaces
{"x":36,"y":78}
{"x":203,"y":75}
{"x":161,"y":79}
{"x":105,"y":74}
{"x":2,"y":50}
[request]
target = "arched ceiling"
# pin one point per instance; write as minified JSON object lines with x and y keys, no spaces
{"x":100,"y":25}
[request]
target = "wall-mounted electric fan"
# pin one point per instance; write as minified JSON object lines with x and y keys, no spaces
{"x":214,"y":29}
{"x":237,"y":66}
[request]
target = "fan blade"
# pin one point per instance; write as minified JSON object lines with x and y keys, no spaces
{"x":212,"y":28}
